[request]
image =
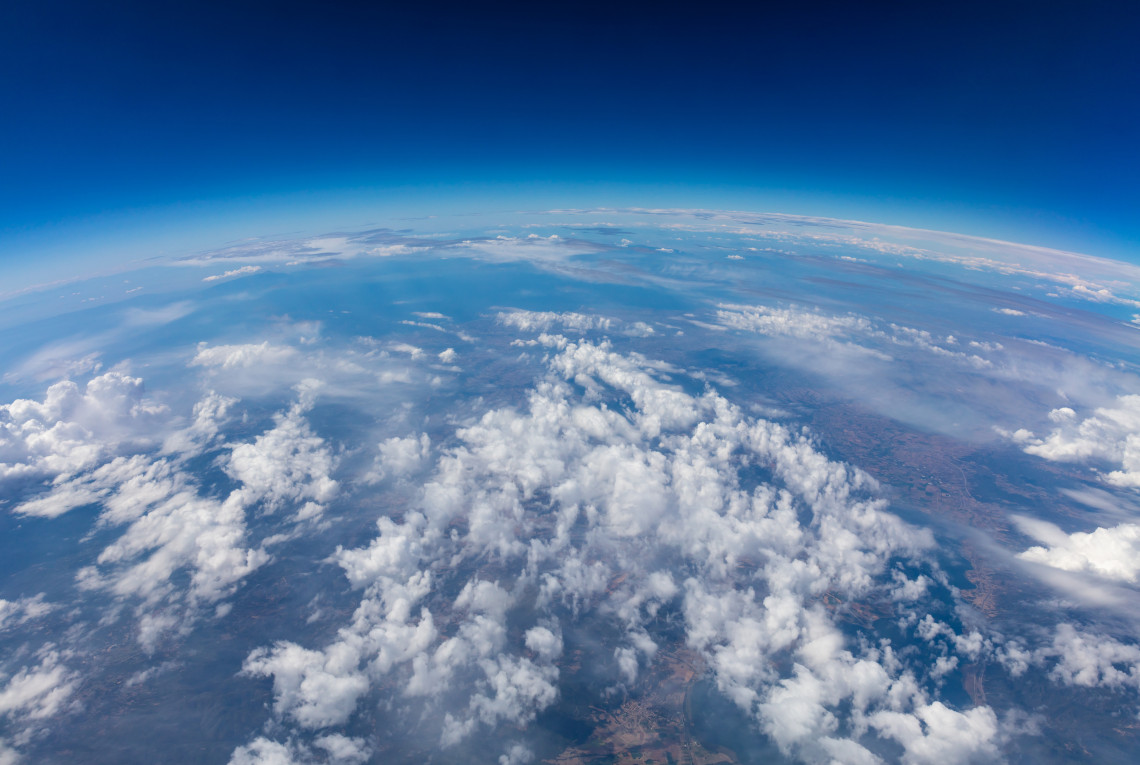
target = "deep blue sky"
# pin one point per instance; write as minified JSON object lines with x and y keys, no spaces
{"x":1012,"y":119}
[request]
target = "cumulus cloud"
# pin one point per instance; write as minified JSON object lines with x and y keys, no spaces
{"x":34,"y":693}
{"x":792,"y":322}
{"x":287,"y":464}
{"x":75,"y":428}
{"x":16,"y":612}
{"x":847,"y":331}
{"x":243,"y":271}
{"x":400,"y":457}
{"x":936,"y":734}
{"x":1110,"y":435}
{"x":1091,"y":660}
{"x":247,"y":355}
{"x":172,"y":525}
{"x":102,"y":445}
{"x":637,"y":478}
{"x":1112,"y":553}
{"x":550,"y":251}
{"x":543,"y":321}
{"x":333,"y":749}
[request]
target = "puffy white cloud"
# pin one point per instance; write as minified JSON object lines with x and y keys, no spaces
{"x":315,"y":689}
{"x":1089,"y":659}
{"x":247,"y":355}
{"x":171,"y":524}
{"x":1112,"y":553}
{"x":171,"y":527}
{"x":544,"y":642}
{"x":209,"y":414}
{"x":937,"y":735}
{"x":543,"y":321}
{"x":1110,"y":434}
{"x":636,"y":477}
{"x":75,"y":428}
{"x":287,"y":464}
{"x":342,"y":749}
{"x":16,"y":612}
{"x":792,"y":322}
{"x":242,"y":271}
{"x":333,"y":749}
{"x":518,"y":754}
{"x":551,"y":251}
{"x":843,"y":332}
{"x":262,"y":751}
{"x":401,"y":457}
{"x":37,"y":692}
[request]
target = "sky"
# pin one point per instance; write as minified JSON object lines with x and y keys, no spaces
{"x":141,"y":128}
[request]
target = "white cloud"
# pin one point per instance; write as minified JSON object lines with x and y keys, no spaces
{"x":170,"y":524}
{"x":262,"y":751}
{"x":1110,"y":434}
{"x":342,"y":749}
{"x":314,"y":689}
{"x":1112,"y":553}
{"x":938,"y":735}
{"x":1090,"y":660}
{"x":653,"y":474}
{"x":75,"y":428}
{"x":518,"y":754}
{"x":400,"y":457}
{"x":543,"y":321}
{"x":247,"y":355}
{"x":550,"y":250}
{"x":333,"y":749}
{"x":842,"y":332}
{"x":243,"y":271}
{"x":287,"y":464}
{"x":16,"y":612}
{"x":544,"y":642}
{"x":35,"y":693}
{"x":792,"y":322}
{"x":639,"y":329}
{"x":409,"y":349}
{"x":209,"y":413}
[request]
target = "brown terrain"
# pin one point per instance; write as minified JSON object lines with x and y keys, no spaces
{"x":652,"y":726}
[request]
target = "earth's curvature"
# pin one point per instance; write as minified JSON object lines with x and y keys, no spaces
{"x":575,"y":486}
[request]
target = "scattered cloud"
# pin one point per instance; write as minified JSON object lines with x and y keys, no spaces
{"x":543,"y":321}
{"x":288,"y":464}
{"x":653,"y":481}
{"x":1112,"y":553}
{"x":75,"y":428}
{"x":243,"y":271}
{"x":17,"y":612}
{"x":333,"y":749}
{"x":35,"y":693}
{"x":246,"y":355}
{"x":150,"y":317}
{"x":1110,"y":435}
